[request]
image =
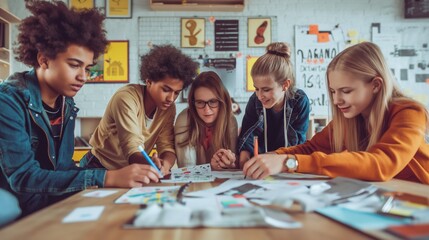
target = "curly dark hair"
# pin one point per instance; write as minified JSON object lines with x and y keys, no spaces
{"x":167,"y":61}
{"x":53,"y":27}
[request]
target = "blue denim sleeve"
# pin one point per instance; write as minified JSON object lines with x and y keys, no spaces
{"x":10,"y":208}
{"x":300,"y":119}
{"x":252,"y":125}
{"x":21,"y":169}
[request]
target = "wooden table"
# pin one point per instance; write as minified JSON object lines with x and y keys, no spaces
{"x":46,"y":224}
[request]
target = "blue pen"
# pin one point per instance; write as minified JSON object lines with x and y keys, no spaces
{"x":150,"y":160}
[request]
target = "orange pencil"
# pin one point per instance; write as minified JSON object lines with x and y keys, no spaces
{"x":255,"y":146}
{"x":255,"y":149}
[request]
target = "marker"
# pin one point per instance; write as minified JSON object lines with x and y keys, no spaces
{"x":255,"y":146}
{"x":150,"y":160}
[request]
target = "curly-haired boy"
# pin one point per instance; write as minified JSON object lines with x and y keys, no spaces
{"x":37,"y":116}
{"x":143,"y":115}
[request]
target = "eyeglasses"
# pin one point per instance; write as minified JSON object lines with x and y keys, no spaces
{"x":213,"y":103}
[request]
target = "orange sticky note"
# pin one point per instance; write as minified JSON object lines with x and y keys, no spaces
{"x":313,"y":29}
{"x":323,"y":37}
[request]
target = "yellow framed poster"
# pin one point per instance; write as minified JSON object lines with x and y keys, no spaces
{"x":81,"y":4}
{"x":113,"y":66}
{"x":259,"y":32}
{"x":192,"y":33}
{"x":249,"y":80}
{"x":118,"y":8}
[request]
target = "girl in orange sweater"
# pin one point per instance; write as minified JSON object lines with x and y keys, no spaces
{"x":376,"y":133}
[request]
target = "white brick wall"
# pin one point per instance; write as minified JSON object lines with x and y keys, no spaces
{"x":350,"y":14}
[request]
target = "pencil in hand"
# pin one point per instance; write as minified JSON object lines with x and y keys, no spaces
{"x":255,"y":146}
{"x":141,"y":149}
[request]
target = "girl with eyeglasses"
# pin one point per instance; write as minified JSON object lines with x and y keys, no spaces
{"x":206,"y":131}
{"x":277,"y":113}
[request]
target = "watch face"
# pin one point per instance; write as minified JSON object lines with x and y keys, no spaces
{"x":291,"y":163}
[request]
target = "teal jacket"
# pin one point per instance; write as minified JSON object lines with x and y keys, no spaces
{"x":30,"y":168}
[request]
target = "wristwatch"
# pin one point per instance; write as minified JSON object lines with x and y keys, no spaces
{"x":291,"y":163}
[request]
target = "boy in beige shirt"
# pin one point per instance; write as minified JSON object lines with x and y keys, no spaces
{"x":143,"y":115}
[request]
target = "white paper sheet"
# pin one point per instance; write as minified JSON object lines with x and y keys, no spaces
{"x":149,"y":195}
{"x":99,"y":193}
{"x":228,"y":174}
{"x":84,"y":214}
{"x":198,"y":173}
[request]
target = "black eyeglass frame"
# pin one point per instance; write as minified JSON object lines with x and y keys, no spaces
{"x":213,"y":103}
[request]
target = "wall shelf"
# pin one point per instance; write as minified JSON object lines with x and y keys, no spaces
{"x":6,"y":16}
{"x":197,"y":5}
{"x":4,"y":62}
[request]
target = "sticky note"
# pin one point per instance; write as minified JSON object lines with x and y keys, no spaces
{"x":352,"y":33}
{"x":323,"y":37}
{"x":313,"y":29}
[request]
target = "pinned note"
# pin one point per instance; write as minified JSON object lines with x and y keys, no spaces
{"x":323,"y":37}
{"x":337,"y":35}
{"x":353,"y":36}
{"x":313,"y":29}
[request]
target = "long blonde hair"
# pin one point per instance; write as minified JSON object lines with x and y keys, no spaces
{"x":366,"y":61}
{"x":276,"y":64}
{"x":221,"y":127}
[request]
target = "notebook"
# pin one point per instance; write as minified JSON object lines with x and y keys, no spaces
{"x":415,"y":231}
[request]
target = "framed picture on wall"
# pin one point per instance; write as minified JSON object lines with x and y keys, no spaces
{"x":259,"y":32}
{"x":113,"y":66}
{"x":192,"y":34}
{"x":416,"y":8}
{"x":81,"y":4}
{"x":249,"y":80}
{"x":119,"y":8}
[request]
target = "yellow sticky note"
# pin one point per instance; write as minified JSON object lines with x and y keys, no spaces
{"x":352,"y":33}
{"x":353,"y":41}
{"x":249,"y":80}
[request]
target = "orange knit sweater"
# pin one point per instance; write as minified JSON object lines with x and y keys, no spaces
{"x":400,"y":153}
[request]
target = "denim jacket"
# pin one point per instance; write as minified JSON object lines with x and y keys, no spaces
{"x":296,"y":111}
{"x":30,"y":167}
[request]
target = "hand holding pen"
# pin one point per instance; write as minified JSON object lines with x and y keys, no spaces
{"x":255,"y":150}
{"x":163,"y":165}
{"x":255,"y":146}
{"x":149,"y":160}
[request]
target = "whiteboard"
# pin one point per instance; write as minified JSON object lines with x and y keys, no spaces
{"x":406,"y":49}
{"x":311,"y":61}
